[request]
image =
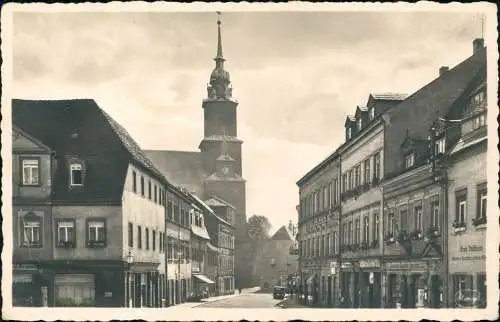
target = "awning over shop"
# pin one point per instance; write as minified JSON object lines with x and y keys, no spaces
{"x":311,"y":278}
{"x":212,"y":247}
{"x":203,"y":278}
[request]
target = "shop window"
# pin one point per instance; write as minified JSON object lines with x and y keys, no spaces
{"x":96,"y":233}
{"x":66,"y":234}
{"x":76,"y":170}
{"x":31,"y":172}
{"x":31,"y":229}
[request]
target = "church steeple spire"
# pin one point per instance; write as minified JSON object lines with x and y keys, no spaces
{"x":219,"y":57}
{"x":220,"y":83}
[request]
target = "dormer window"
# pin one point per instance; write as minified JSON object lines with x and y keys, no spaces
{"x":360,"y":124}
{"x":477,"y":99}
{"x":31,"y":172}
{"x":409,"y":160}
{"x":440,"y":146}
{"x":479,"y":121}
{"x":76,"y":174}
{"x":372,"y":113}
{"x":348,"y":133}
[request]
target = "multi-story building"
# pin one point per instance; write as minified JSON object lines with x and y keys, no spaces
{"x":362,"y":160}
{"x":416,"y":186}
{"x":393,"y":214}
{"x":101,"y":189}
{"x":178,"y":236}
{"x":318,"y":231}
{"x":466,"y":170}
{"x":199,"y":244}
{"x":33,"y":165}
{"x":222,"y":236}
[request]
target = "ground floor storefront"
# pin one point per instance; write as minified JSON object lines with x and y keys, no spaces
{"x":178,"y":290}
{"x":202,"y":286}
{"x":225,"y":284}
{"x":87,"y":284}
{"x":361,"y":283}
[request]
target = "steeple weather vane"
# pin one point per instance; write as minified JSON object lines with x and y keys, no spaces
{"x":219,"y":86}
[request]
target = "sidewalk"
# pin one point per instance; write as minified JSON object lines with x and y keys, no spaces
{"x":213,"y":299}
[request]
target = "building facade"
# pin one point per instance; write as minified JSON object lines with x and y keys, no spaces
{"x":467,"y":205}
{"x":318,"y":232}
{"x":395,"y":197}
{"x":222,"y":236}
{"x":95,"y":204}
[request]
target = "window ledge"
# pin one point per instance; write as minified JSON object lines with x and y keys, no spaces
{"x":458,"y":230}
{"x":481,"y":227}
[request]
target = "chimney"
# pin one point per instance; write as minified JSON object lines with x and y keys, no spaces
{"x":477,"y":45}
{"x":443,"y":70}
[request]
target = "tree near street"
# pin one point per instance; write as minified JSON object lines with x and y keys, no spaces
{"x":258,"y":228}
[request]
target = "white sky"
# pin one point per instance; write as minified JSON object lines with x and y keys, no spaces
{"x":297,"y":75}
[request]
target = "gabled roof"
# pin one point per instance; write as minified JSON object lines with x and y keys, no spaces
{"x":79,"y":128}
{"x":282,"y":234}
{"x":349,"y":119}
{"x":359,"y":110}
{"x":179,"y":167}
{"x":17,"y":131}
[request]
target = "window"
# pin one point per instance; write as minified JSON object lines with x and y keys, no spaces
{"x":31,"y":230}
{"x":350,"y":180}
{"x":334,"y":191}
{"x":351,"y":232}
{"x":357,"y":236}
{"x":96,"y":233}
{"x":372,"y":113}
{"x":367,"y":171}
{"x":409,"y":160}
{"x":348,"y":133}
{"x":66,"y":233}
{"x":461,"y":206}
{"x":149,"y":190}
{"x":358,"y":175}
{"x":334,"y":243}
{"x":376,"y":226}
{"x":403,"y":217}
{"x":344,"y":182}
{"x":390,"y":223}
{"x":478,"y":99}
{"x":440,"y":146}
{"x":376,"y":166}
{"x":142,"y":186}
{"x":31,"y":172}
{"x":482,"y":202}
{"x":170,"y":208}
{"x":76,"y":174}
{"x":130,"y":235}
{"x":147,"y":238}
{"x":366,"y":231}
{"x":134,"y":181}
{"x":418,"y":224}
{"x":344,"y":233}
{"x":156,"y":195}
{"x":139,"y":237}
{"x":360,"y":124}
{"x":322,"y":246}
{"x":154,"y":240}
{"x":435,"y":214}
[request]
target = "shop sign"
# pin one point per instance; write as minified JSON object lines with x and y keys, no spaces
{"x":469,"y":257}
{"x":25,"y":267}
{"x":108,"y":294}
{"x":406,"y":266}
{"x":368,"y":263}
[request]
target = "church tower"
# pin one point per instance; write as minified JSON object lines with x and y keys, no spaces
{"x":221,"y":151}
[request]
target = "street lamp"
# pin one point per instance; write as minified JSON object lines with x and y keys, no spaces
{"x":130,"y":260}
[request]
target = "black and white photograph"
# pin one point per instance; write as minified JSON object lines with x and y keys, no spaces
{"x":229,"y":161}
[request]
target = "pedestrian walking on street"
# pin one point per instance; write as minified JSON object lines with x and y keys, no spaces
{"x":239,"y":290}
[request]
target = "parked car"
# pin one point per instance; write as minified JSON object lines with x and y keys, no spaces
{"x":278,"y":292}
